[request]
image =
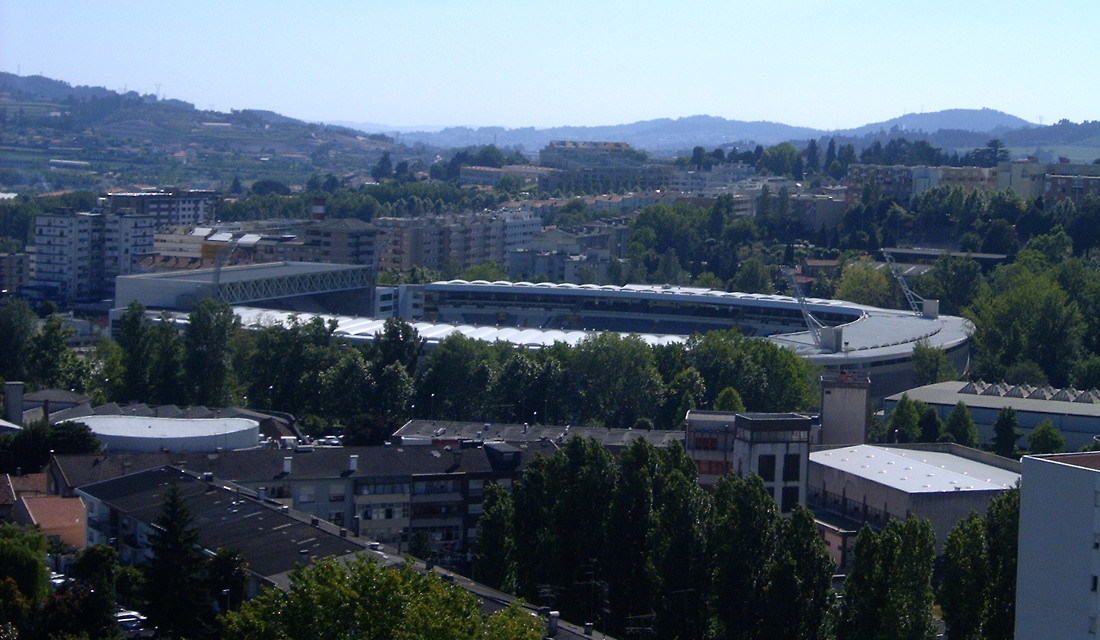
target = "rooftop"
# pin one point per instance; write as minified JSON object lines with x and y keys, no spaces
{"x":1020,"y":398}
{"x":248,"y":272}
{"x":916,"y":471}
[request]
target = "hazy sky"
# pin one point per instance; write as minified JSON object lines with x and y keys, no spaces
{"x":515,"y":63}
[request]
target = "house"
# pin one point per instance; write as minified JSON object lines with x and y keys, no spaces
{"x":59,"y":519}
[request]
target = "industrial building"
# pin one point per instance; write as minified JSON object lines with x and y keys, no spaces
{"x":304,"y":286}
{"x":1075,"y":413}
{"x":868,"y":484}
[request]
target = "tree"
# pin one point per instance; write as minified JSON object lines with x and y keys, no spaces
{"x":494,"y":555}
{"x":51,"y":362}
{"x":1046,"y":438}
{"x":930,"y":425}
{"x":384,"y":168}
{"x":888,"y":593}
{"x":960,"y":426}
{"x":18,"y":324}
{"x":862,"y":283}
{"x":618,"y":379}
{"x":744,"y":540}
{"x":207,"y":352}
{"x":365,"y":601}
{"x":227,"y":578}
{"x":930,"y":365}
{"x":962,"y":595}
{"x":1006,"y":432}
{"x":1002,"y":525}
{"x":753,"y":277}
{"x":166,"y":375}
{"x":95,"y":567}
{"x":799,"y":589}
{"x":729,"y":400}
{"x":179,"y":602}
{"x":904,"y":423}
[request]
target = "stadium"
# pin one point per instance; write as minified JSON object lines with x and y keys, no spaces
{"x":836,"y":335}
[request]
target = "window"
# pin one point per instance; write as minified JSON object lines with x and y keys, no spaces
{"x":1093,"y":584}
{"x":305,"y":494}
{"x":765,"y":467}
{"x":792,"y":467}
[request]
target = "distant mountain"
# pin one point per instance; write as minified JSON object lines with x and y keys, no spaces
{"x":661,"y":135}
{"x":667,"y":136}
{"x":977,"y":120}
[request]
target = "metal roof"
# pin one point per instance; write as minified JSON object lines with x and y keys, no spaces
{"x":914,"y":471}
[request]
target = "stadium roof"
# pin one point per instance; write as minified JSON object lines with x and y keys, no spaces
{"x":995,"y":397}
{"x":245,"y":272}
{"x":916,"y":471}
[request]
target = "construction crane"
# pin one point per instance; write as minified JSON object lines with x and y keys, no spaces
{"x":812,"y":324}
{"x":916,"y":303}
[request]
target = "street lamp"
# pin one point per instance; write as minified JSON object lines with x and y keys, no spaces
{"x":433,"y":406}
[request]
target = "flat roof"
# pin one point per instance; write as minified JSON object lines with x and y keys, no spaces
{"x":950,"y":393}
{"x":914,"y":471}
{"x":148,"y":427}
{"x":1089,"y":460}
{"x":247,"y":272}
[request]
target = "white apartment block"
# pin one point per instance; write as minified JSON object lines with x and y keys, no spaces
{"x":1058,"y":568}
{"x":170,"y":207}
{"x":77,"y":255}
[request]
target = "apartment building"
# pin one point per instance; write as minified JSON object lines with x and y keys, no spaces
{"x":460,"y":240}
{"x":1058,"y":566}
{"x":168,"y":207}
{"x":78,"y":255}
{"x":339,"y":241}
{"x":15,"y":271}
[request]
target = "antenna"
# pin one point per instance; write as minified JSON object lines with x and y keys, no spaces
{"x":157,"y":85}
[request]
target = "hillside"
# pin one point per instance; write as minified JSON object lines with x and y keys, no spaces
{"x":126,"y":139}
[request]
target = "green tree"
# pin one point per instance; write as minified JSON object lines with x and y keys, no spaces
{"x":206,"y":343}
{"x":1006,"y":432}
{"x":931,"y":427}
{"x":23,"y":559}
{"x":729,"y":400}
{"x":1002,"y":525}
{"x":930,"y":365}
{"x":799,"y":591}
{"x":1046,"y":438}
{"x":862,"y":283}
{"x":227,"y":579}
{"x":176,"y":576}
{"x":962,"y":594}
{"x":166,"y":374}
{"x":18,"y":325}
{"x":632,"y":580}
{"x":888,"y":593}
{"x":904,"y":423}
{"x":51,"y":362}
{"x":744,"y":541}
{"x":494,"y":555}
{"x":960,"y":426}
{"x":753,"y":276}
{"x":398,"y":342}
{"x":364,"y":601}
{"x":96,"y":566}
{"x":618,"y":379}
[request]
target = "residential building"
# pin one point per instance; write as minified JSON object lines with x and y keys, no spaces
{"x":121,"y":513}
{"x":78,"y":255}
{"x":1058,"y":558}
{"x":1054,"y":181}
{"x":59,"y":519}
{"x":168,"y":207}
{"x":774,"y":446}
{"x":340,"y":241}
{"x":1070,"y":187}
{"x":15,"y":271}
{"x":389,"y":494}
{"x":459,"y":241}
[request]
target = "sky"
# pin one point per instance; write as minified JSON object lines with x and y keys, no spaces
{"x":521,"y":63}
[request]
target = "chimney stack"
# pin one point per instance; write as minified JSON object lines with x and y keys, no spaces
{"x":318,"y":209}
{"x":353,"y":462}
{"x":286,"y":464}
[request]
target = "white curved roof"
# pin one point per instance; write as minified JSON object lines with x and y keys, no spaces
{"x":146,"y":427}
